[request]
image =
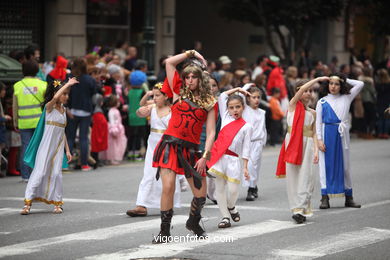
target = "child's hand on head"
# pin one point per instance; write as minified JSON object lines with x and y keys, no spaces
{"x":325,"y":78}
{"x":73,"y":81}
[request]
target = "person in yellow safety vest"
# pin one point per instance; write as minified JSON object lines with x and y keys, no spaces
{"x":28,"y":95}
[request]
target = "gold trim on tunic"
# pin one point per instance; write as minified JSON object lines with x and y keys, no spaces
{"x":55,"y":124}
{"x":307,"y":131}
{"x":337,"y":195}
{"x":52,"y":202}
{"x":227,"y":178}
{"x":159,"y":131}
{"x":281,"y":176}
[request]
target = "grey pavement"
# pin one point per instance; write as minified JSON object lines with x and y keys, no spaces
{"x":94,"y":224}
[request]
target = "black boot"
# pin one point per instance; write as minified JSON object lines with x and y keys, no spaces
{"x":325,"y":202}
{"x":192,"y":223}
{"x":350,"y":203}
{"x":165,"y":228}
{"x":250,"y":196}
{"x":256,"y":192}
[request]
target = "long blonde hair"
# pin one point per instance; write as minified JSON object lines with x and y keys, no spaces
{"x":205,"y":94}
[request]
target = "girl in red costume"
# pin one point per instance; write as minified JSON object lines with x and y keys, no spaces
{"x":299,"y":153}
{"x":192,"y":106}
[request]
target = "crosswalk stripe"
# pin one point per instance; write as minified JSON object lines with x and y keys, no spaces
{"x":185,"y":205}
{"x":96,"y":234}
{"x":171,"y":249}
{"x":11,"y":211}
{"x":333,"y":244}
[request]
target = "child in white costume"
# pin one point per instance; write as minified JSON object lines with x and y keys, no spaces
{"x":149,"y":191}
{"x":256,"y":117}
{"x":234,"y":140}
{"x":299,"y":153}
{"x":333,"y":139}
{"x":45,"y":183}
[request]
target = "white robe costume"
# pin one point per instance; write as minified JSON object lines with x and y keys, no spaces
{"x":149,"y":190}
{"x":45,"y":183}
{"x":340,"y":105}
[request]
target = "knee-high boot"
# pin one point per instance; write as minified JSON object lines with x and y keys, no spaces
{"x":165,"y":228}
{"x":192,"y":223}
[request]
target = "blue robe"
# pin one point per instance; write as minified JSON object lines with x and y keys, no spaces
{"x":334,"y":161}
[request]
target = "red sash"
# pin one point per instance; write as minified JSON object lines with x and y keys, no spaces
{"x":224,"y":140}
{"x":293,"y":153}
{"x":176,"y":85}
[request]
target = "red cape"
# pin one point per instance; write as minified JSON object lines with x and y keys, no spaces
{"x":224,"y":140}
{"x":293,"y":153}
{"x":99,"y":133}
{"x":59,"y":72}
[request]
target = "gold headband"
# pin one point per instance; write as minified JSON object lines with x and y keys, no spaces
{"x":337,"y":77}
{"x":56,"y":83}
{"x":159,"y":85}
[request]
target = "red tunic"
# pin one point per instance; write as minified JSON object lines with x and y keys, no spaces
{"x":99,"y":133}
{"x":185,"y":124}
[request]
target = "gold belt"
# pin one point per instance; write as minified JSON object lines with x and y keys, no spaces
{"x":55,"y":124}
{"x":154,"y":130}
{"x":307,"y":131}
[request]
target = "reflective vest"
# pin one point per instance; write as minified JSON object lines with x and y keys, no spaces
{"x":30,"y":94}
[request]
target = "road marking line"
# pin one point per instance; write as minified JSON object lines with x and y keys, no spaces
{"x":334,"y":244}
{"x":171,"y":249}
{"x":11,"y":211}
{"x":364,"y":206}
{"x":96,"y":234}
{"x":184,"y":205}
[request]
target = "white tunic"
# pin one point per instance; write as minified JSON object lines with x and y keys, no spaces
{"x":229,"y":167}
{"x":255,"y":117}
{"x":301,"y":178}
{"x":340,"y":105}
{"x":45,"y":183}
{"x":149,"y":190}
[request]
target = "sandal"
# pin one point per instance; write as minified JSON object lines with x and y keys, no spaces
{"x":235,"y":216}
{"x":26,"y":210}
{"x":225,"y":223}
{"x":57,"y":210}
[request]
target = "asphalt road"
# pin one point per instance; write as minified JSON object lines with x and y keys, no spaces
{"x":94,"y":224}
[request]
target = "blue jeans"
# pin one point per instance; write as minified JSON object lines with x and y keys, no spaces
{"x":26,"y":135}
{"x":71,"y":129}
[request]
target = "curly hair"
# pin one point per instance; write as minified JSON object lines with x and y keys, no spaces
{"x":205,"y":93}
{"x":344,"y":87}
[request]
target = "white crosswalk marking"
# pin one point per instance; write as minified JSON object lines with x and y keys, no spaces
{"x":11,"y":211}
{"x":333,"y":244}
{"x":172,"y":249}
{"x":96,"y":234}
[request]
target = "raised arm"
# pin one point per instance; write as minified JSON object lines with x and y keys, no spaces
{"x":302,"y":90}
{"x":172,"y":62}
{"x":58,"y":94}
{"x":143,"y":100}
{"x":357,"y":86}
{"x":144,"y":111}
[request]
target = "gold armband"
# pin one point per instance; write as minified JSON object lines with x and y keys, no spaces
{"x":190,"y":53}
{"x":206,"y":155}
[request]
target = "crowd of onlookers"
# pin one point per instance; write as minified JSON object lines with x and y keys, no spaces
{"x":115,"y":79}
